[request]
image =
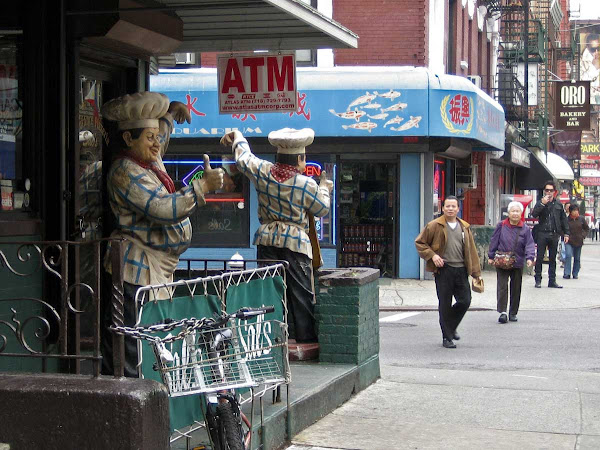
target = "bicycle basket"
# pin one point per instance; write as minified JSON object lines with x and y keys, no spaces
{"x":248,"y":355}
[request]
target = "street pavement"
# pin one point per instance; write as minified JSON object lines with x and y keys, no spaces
{"x":420,"y":294}
{"x":533,"y":384}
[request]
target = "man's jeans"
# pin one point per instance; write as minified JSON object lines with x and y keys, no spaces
{"x":546,"y":239}
{"x":575,"y":253}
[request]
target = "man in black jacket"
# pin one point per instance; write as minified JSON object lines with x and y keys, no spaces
{"x":552,"y":224}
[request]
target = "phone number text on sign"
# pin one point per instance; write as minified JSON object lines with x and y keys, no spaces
{"x":250,"y":83}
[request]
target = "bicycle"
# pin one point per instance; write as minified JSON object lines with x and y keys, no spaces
{"x":219,"y":360}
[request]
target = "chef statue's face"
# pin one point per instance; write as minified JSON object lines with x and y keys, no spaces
{"x":145,"y":148}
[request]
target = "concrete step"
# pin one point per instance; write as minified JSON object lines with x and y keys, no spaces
{"x":316,"y":390}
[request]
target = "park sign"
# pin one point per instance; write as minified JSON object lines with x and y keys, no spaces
{"x":573,"y":105}
{"x":590,"y":150}
{"x":257,"y":83}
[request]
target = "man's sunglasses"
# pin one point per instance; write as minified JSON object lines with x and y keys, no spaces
{"x":548,"y":190}
{"x":594,"y":49}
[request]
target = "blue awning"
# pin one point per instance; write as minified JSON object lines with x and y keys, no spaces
{"x":350,"y":101}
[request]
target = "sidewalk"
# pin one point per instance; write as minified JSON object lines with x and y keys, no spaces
{"x":406,"y":295}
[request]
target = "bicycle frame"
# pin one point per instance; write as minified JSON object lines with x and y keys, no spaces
{"x":217,"y":348}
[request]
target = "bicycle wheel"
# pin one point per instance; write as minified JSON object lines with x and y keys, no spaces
{"x":231,"y":426}
{"x":213,"y":429}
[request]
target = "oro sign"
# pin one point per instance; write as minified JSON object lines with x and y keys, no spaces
{"x":573,"y":105}
{"x":257,"y":82}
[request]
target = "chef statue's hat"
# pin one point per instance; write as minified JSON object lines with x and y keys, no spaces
{"x":290,"y":141}
{"x":139,"y":110}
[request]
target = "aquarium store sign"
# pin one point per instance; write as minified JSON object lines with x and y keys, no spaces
{"x":347,"y":113}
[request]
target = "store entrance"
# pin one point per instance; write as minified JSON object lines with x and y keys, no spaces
{"x":367,"y":208}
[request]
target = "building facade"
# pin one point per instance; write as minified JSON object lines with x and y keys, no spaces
{"x":393,"y":143}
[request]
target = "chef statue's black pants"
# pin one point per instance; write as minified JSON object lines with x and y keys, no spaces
{"x":300,"y":296}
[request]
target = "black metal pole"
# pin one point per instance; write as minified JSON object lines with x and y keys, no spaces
{"x":526,"y":69}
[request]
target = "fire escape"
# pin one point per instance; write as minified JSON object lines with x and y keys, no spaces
{"x":528,"y":53}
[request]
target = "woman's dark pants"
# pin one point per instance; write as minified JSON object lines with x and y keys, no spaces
{"x":516,"y":277}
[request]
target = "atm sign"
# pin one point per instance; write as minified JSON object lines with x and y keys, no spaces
{"x":257,"y":82}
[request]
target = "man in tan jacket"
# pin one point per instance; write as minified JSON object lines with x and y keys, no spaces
{"x":448,"y":247}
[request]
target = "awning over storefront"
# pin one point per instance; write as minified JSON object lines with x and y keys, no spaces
{"x":543,"y":168}
{"x":179,"y":26}
{"x":351,"y":102}
{"x":234,"y":25}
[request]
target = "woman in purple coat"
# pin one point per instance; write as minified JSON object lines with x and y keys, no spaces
{"x":503,"y":240}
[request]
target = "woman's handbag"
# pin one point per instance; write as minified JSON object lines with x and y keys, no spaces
{"x":506,"y":260}
{"x":477,"y":285}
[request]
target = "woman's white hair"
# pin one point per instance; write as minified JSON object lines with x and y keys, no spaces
{"x":511,"y":205}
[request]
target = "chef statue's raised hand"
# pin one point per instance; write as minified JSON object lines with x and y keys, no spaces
{"x":287,"y":200}
{"x":151,"y":216}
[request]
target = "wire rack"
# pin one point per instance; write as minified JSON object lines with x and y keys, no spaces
{"x":239,"y":355}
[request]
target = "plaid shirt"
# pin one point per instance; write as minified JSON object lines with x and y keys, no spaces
{"x":154,"y":223}
{"x":282,"y":207}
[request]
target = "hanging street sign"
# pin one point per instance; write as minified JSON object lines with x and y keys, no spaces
{"x":257,"y":83}
{"x":573,"y":105}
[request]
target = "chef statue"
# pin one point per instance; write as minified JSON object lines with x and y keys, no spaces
{"x":287,"y":201}
{"x":151,"y":217}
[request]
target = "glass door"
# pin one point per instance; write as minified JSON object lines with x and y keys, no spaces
{"x":367,"y":208}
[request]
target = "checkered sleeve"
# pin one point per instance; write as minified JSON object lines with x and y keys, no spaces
{"x":316,"y":198}
{"x":142,"y":193}
{"x":248,"y":163}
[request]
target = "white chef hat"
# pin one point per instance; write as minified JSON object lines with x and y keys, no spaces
{"x":290,"y":141}
{"x":139,"y":110}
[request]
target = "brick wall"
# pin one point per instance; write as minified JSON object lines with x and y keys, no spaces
{"x":348,"y":320}
{"x":471,"y":45}
{"x":209,"y":59}
{"x":391,"y":33}
{"x":565,"y":38}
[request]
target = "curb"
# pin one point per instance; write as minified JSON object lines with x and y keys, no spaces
{"x":423,"y":308}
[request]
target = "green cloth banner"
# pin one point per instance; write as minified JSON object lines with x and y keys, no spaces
{"x":183,"y":411}
{"x":255,"y":333}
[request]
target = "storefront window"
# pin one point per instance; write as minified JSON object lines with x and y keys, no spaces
{"x":12,"y":187}
{"x":325,"y":226}
{"x":224,"y":220}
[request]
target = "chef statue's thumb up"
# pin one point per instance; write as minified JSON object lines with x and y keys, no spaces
{"x":212,"y":180}
{"x":324,"y":182}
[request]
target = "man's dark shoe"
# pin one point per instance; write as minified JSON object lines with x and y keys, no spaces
{"x":538,"y":284}
{"x":448,"y":343}
{"x":512,"y":317}
{"x":554,"y":285}
{"x":566,"y":277}
{"x":456,"y":336}
{"x":503,"y":318}
{"x":575,"y":277}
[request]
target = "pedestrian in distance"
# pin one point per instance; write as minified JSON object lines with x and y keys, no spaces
{"x":511,"y":238}
{"x":595,"y":226}
{"x":551,"y":226}
{"x":447,"y":245}
{"x":578,"y":229}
